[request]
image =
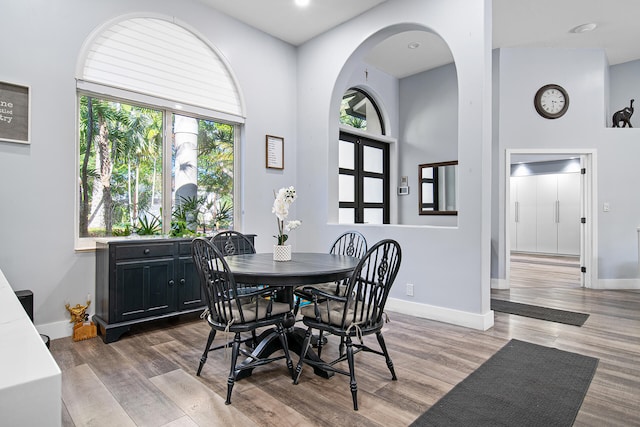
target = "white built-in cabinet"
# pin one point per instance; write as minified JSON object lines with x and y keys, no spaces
{"x":545,"y":213}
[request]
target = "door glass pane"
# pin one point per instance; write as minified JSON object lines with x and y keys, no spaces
{"x":346,"y":190}
{"x":202,"y":171}
{"x":346,"y":216}
{"x":373,"y":190}
{"x":345,"y":155}
{"x":373,"y":216}
{"x":372,"y":158}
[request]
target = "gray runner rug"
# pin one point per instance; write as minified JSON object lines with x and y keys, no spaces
{"x":522,"y":385}
{"x":537,"y":312}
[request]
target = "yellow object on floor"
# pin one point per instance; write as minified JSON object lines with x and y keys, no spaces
{"x":84,"y":331}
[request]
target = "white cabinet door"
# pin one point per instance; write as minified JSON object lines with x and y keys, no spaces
{"x":526,"y":213}
{"x":569,"y":214}
{"x":513,"y":213}
{"x":546,"y":208}
{"x":545,"y":213}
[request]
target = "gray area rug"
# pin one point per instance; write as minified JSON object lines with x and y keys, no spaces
{"x":537,"y":312}
{"x":523,"y":384}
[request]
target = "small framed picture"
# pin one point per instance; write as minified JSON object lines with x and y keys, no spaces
{"x":275,"y":152}
{"x":14,"y":113}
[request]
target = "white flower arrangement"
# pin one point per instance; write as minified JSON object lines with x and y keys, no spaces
{"x":283,"y":200}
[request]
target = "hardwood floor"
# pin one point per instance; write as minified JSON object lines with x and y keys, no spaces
{"x":147,"y":378}
{"x":557,"y":271}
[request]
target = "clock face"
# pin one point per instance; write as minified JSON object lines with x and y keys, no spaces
{"x":551,"y":101}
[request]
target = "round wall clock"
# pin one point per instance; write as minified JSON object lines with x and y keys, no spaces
{"x":551,"y":101}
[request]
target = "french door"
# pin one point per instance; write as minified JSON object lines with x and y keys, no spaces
{"x":363,"y":180}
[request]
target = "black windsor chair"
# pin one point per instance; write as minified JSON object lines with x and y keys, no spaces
{"x":357,"y":313}
{"x":233,"y":242}
{"x":350,"y":243}
{"x":232,"y":311}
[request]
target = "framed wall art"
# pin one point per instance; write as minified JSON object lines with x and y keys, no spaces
{"x":275,"y":152}
{"x":15,"y":105}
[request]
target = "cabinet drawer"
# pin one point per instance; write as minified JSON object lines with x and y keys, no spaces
{"x":149,"y":250}
{"x":184,"y":248}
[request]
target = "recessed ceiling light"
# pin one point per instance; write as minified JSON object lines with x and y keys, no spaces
{"x":584,"y":28}
{"x":413,"y":45}
{"x":302,"y":3}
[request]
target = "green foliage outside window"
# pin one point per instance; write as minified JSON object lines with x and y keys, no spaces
{"x":348,"y":119}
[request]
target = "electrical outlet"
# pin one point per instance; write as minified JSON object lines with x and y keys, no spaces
{"x":410,"y":289}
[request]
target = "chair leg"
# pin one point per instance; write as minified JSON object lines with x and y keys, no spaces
{"x":341,"y":347}
{"x":303,"y":353}
{"x":352,"y":373}
{"x":203,"y":359}
{"x":285,"y":348}
{"x":232,"y":372}
{"x":320,"y":343}
{"x":386,"y":355}
{"x":296,"y":305}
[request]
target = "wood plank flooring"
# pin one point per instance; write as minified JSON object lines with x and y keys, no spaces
{"x":147,"y":378}
{"x":558,"y":271}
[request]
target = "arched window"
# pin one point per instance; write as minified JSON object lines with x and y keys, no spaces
{"x":158,"y":116}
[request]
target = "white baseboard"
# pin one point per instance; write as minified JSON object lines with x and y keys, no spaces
{"x":456,"y":317}
{"x":617,"y":284}
{"x":499,"y":283}
{"x":56,"y":330}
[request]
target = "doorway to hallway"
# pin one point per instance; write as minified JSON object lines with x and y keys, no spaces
{"x":550,"y":244}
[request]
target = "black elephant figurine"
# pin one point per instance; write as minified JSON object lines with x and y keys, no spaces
{"x":623,"y":116}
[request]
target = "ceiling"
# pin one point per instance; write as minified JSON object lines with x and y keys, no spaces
{"x":516,"y":23}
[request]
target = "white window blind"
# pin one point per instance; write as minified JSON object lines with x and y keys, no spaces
{"x":159,"y":58}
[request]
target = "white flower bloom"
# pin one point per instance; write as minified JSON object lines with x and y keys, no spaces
{"x":283,"y":200}
{"x":292,"y":225}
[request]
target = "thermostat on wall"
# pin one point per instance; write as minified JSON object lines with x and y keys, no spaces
{"x":403,"y":189}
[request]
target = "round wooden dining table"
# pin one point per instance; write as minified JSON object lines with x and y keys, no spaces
{"x":304,"y":268}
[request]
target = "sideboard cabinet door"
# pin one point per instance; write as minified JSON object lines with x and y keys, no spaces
{"x":144,"y":289}
{"x":189,"y":289}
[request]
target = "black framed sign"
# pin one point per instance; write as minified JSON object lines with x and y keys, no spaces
{"x":14,"y":113}
{"x":275,"y":152}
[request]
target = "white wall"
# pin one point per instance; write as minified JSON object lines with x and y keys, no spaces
{"x":584,"y":74}
{"x":448,"y":266}
{"x":429,"y":134}
{"x":42,"y":41}
{"x":625,"y":85}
